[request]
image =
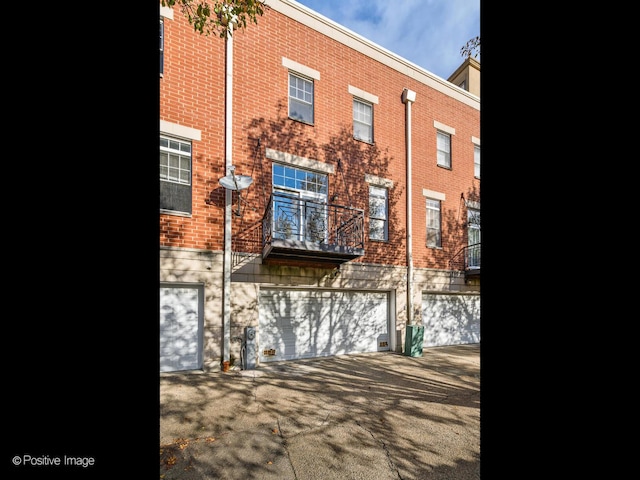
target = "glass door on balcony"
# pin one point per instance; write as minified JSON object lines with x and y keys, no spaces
{"x":473,"y":230}
{"x":300,"y":204}
{"x":314,"y":212}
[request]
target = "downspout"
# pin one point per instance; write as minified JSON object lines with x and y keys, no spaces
{"x":228,"y":201}
{"x":408,"y":97}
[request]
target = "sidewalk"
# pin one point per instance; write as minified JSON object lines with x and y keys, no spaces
{"x":366,"y":416}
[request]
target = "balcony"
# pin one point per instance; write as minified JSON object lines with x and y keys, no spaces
{"x":296,"y":231}
{"x":467,"y":259}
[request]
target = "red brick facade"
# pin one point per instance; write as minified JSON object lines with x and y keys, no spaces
{"x":193,"y":94}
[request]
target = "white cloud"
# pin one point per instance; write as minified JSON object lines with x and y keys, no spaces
{"x":429,"y":33}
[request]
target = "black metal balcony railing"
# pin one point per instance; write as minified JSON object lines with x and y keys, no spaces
{"x":467,"y":259}
{"x":304,"y":229}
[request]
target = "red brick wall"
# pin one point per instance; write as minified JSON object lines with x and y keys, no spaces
{"x":192,"y":94}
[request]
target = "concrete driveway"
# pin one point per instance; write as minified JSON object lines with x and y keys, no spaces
{"x":365,"y":416}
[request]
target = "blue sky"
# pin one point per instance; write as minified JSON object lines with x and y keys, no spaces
{"x":429,"y":33}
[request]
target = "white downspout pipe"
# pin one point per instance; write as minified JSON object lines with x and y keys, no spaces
{"x":408,"y":97}
{"x":228,"y":200}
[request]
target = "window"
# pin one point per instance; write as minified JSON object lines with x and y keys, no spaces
{"x":300,"y":98}
{"x":434,"y":234}
{"x":378,"y":217}
{"x":444,"y":149}
{"x":300,"y":204}
{"x":161,"y":46}
{"x":476,"y":161}
{"x":175,"y":174}
{"x":473,"y":225}
{"x":362,"y":121}
{"x":463,"y":85}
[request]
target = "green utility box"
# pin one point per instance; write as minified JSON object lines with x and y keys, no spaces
{"x":414,"y":340}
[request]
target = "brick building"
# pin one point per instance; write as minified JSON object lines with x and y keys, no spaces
{"x":315,"y":188}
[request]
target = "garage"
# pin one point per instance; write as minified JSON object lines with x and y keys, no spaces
{"x":181,"y":322}
{"x":450,"y":319}
{"x":297,"y":324}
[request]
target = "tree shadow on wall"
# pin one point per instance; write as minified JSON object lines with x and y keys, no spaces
{"x":352,"y":159}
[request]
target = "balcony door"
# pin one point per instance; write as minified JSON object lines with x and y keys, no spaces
{"x":473,"y":253}
{"x":300,"y":204}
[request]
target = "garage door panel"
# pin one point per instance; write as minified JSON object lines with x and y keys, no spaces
{"x":326,"y":323}
{"x":450,"y":319}
{"x":180,"y":329}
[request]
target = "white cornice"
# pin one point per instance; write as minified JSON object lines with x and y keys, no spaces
{"x":331,"y":29}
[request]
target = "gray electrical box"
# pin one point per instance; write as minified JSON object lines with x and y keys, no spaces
{"x":251,"y":347}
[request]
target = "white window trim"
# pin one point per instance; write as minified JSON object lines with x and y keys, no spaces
{"x":181,"y":131}
{"x":182,"y":154}
{"x":385,"y":220}
{"x":433,"y":195}
{"x":368,"y":127}
{"x":302,"y":162}
{"x":476,"y":146}
{"x":449,"y":137}
{"x":444,"y":128}
{"x":356,"y":92}
{"x":439,"y":200}
{"x":378,"y":181}
{"x":475,"y":141}
{"x":299,"y":68}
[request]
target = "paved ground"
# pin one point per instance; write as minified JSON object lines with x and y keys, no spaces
{"x":371,"y":416}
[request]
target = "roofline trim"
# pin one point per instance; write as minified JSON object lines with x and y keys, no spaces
{"x":331,"y":29}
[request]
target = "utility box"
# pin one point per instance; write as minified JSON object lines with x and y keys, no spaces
{"x":413,"y":340}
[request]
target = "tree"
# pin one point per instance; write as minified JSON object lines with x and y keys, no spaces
{"x":471,"y":48}
{"x":213,"y":17}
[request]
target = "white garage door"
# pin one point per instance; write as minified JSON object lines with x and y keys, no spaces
{"x":316,"y":323}
{"x":180,"y":328}
{"x":450,"y":319}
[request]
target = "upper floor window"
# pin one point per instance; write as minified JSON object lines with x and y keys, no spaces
{"x":362,"y":121}
{"x":444,"y":149}
{"x":161,"y":46}
{"x":299,"y":204}
{"x":378,"y":213}
{"x":476,"y":161}
{"x":434,"y":231}
{"x":463,"y":85}
{"x":300,"y":98}
{"x":175,"y":174}
{"x":175,"y":160}
{"x":293,"y":179}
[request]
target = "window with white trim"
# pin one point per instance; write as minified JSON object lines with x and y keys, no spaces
{"x":161,"y":46}
{"x":444,"y":149}
{"x":362,"y":120}
{"x":175,"y":174}
{"x":299,"y":204}
{"x":300,"y":98}
{"x":476,"y":161}
{"x":378,"y":213}
{"x":434,"y":231}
